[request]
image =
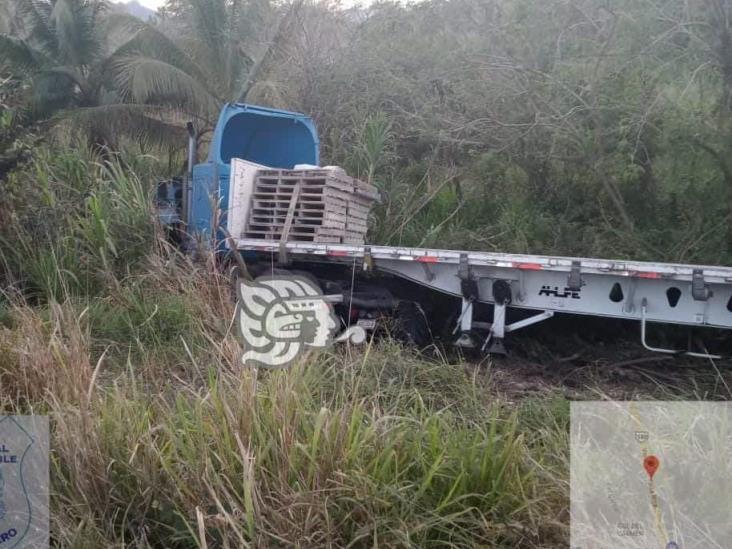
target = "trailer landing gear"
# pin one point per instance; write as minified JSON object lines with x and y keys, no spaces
{"x":493,"y":343}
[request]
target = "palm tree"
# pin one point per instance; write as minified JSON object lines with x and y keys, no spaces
{"x":223,"y":49}
{"x":58,"y":51}
{"x":65,"y":52}
{"x":114,"y":74}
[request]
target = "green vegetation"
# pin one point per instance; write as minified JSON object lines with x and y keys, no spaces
{"x":559,"y":127}
{"x":575,"y":127}
{"x":570,"y":127}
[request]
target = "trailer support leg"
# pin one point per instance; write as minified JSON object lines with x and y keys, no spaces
{"x":500,"y":328}
{"x":465,"y":325}
{"x":494,"y":341}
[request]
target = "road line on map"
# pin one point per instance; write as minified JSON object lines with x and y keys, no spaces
{"x":660,"y":527}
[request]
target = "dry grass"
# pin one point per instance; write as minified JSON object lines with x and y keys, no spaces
{"x":43,"y":359}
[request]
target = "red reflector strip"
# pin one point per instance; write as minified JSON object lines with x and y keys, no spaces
{"x":639,"y":274}
{"x":427,"y":259}
{"x":528,"y":266}
{"x":337,"y":253}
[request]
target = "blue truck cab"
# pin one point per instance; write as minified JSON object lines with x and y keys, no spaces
{"x":274,"y":138}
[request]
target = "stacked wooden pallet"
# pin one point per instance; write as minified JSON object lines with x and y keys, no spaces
{"x":314,"y":205}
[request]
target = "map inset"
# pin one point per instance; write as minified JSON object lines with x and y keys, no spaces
{"x":24,"y":486}
{"x":651,"y":475}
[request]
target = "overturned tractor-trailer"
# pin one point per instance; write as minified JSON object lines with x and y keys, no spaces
{"x":262,"y":194}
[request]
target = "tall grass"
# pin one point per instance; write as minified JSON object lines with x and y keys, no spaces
{"x":338,"y":450}
{"x":160,"y":438}
{"x":372,"y":446}
{"x":77,"y":225}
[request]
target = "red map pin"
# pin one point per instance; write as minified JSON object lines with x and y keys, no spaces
{"x":651,"y":463}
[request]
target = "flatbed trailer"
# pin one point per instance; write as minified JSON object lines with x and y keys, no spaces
{"x":375,"y":281}
{"x":691,"y":295}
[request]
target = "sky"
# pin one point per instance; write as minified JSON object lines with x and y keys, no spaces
{"x":152,"y":4}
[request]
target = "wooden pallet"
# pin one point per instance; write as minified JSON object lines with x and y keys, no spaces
{"x":316,"y":205}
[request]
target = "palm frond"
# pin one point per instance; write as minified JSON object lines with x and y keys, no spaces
{"x":155,"y":124}
{"x":207,"y":19}
{"x":283,"y":30}
{"x":147,"y":41}
{"x":37,"y":14}
{"x":145,"y":80}
{"x":74,"y":22}
{"x":125,"y":21}
{"x":224,"y":36}
{"x":18,"y":56}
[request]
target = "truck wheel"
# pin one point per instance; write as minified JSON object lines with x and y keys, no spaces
{"x":411,"y":325}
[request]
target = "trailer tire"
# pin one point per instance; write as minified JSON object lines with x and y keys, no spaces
{"x":411,"y":325}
